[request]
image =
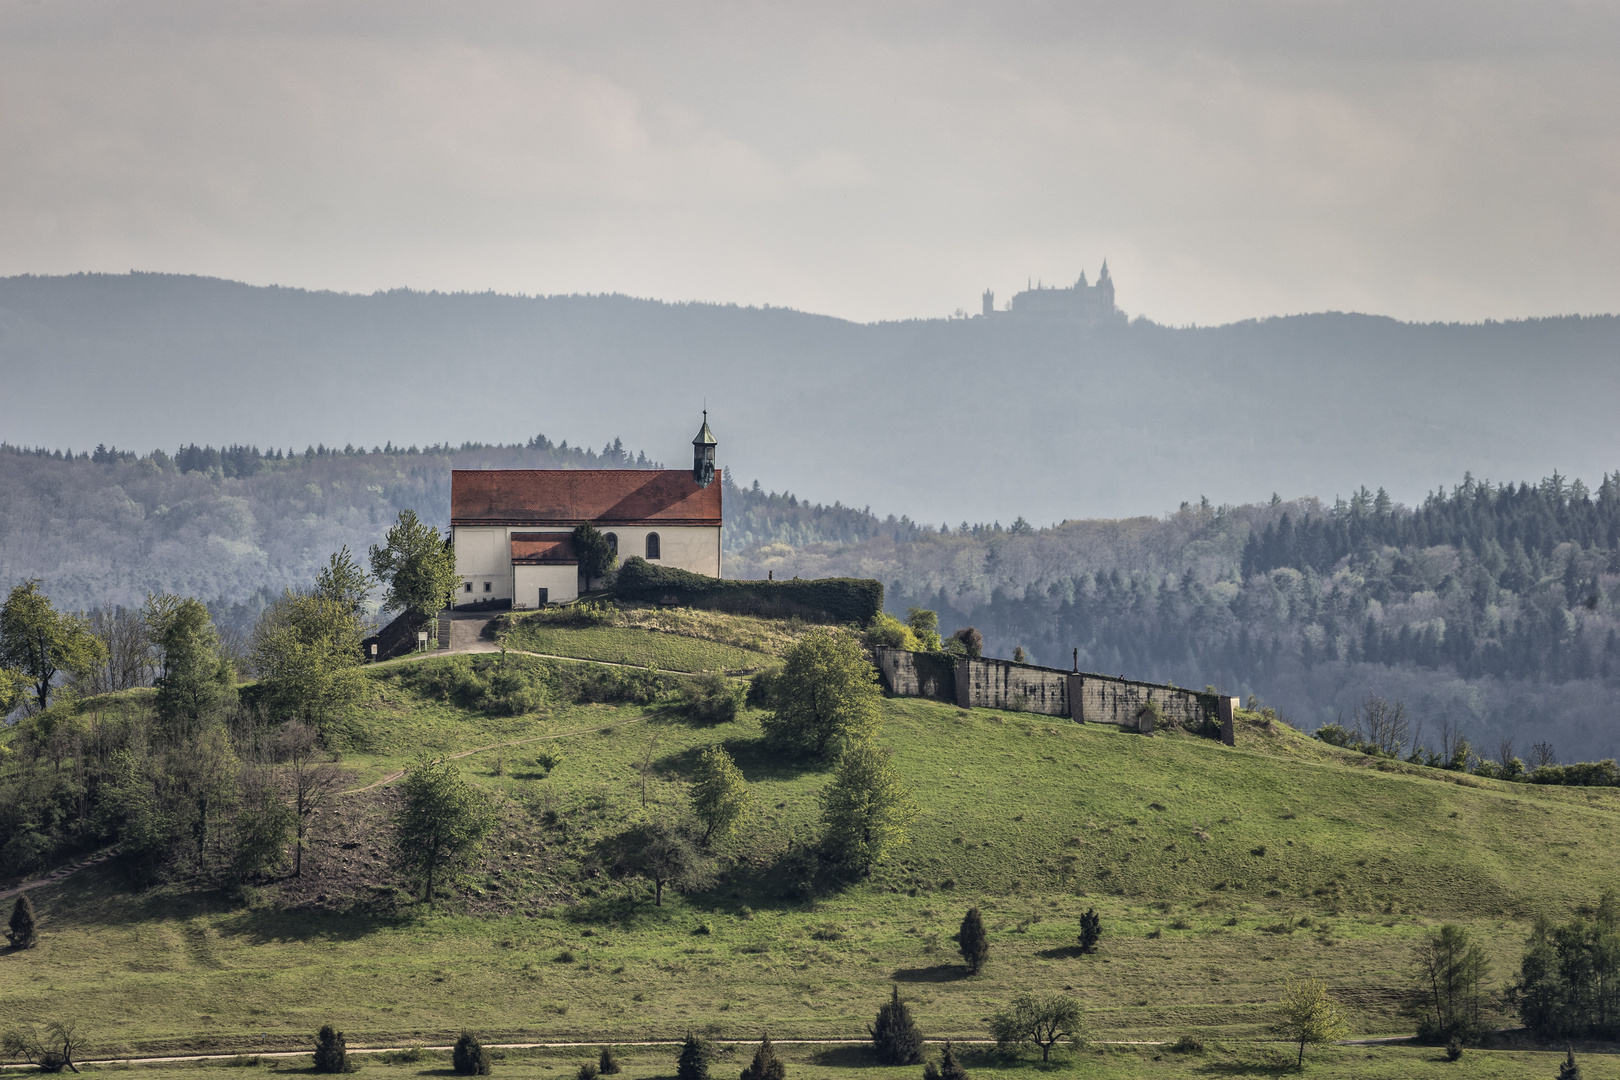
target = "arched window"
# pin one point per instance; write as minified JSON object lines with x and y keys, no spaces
{"x":652,"y":546}
{"x":613,"y":542}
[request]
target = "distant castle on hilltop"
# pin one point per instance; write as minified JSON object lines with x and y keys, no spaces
{"x":1079,"y":302}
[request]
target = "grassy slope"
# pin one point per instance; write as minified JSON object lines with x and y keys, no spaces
{"x":669,"y":652}
{"x":1034,"y":819}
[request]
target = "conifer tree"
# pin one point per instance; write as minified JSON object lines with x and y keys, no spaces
{"x":766,"y":1065}
{"x":949,"y":1067}
{"x":331,"y":1051}
{"x":607,"y":1063}
{"x":1568,"y":1069}
{"x":693,"y":1063}
{"x":468,"y":1056}
{"x":894,"y":1034}
{"x":973,"y":942}
{"x":1090,"y":931}
{"x":24,"y":932}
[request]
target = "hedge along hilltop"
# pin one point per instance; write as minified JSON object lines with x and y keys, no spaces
{"x":837,"y":600}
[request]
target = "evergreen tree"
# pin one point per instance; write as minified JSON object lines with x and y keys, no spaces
{"x":1090,"y":931}
{"x":331,"y":1051}
{"x":417,"y":565}
{"x":894,"y":1034}
{"x":1568,"y":1069}
{"x":693,"y":1062}
{"x":469,"y":1057}
{"x":198,"y":681}
{"x":24,"y":931}
{"x":766,"y":1065}
{"x":973,"y":942}
{"x":950,"y":1068}
{"x":607,"y":1063}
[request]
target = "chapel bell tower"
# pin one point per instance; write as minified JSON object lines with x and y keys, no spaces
{"x":703,"y":454}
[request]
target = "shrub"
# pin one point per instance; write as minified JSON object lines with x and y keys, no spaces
{"x":693,"y":1062}
{"x":1188,"y":1044}
{"x":331,"y":1052}
{"x":895,"y":1037}
{"x":889,"y":632}
{"x":1454,"y":1049}
{"x":713,"y":699}
{"x":1090,"y":931}
{"x":973,"y":942}
{"x":469,"y":1058}
{"x":24,"y":930}
{"x":606,"y":1062}
{"x":970,"y":641}
{"x":949,"y":1068}
{"x":766,"y":1065}
{"x":763,"y":686}
{"x":840,"y":600}
{"x":588,"y":1070}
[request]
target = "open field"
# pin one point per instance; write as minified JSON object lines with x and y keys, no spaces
{"x":1217,"y":871}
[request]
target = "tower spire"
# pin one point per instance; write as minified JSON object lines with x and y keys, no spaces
{"x":703,"y":454}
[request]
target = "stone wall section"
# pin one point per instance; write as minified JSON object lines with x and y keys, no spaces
{"x":1001,"y":684}
{"x":909,"y":674}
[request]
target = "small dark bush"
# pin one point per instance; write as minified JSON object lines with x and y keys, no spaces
{"x":949,"y":1067}
{"x":587,"y":1070}
{"x":762,"y":688}
{"x":766,"y":1065}
{"x":895,"y":1036}
{"x":469,"y":1058}
{"x":973,"y":941}
{"x":713,"y":699}
{"x":331,"y":1052}
{"x":1188,"y":1044}
{"x":1090,"y":931}
{"x":606,"y":1063}
{"x":1454,"y":1049}
{"x":23,"y":930}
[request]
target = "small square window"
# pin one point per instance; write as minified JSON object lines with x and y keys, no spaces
{"x":469,"y":586}
{"x":486,"y":586}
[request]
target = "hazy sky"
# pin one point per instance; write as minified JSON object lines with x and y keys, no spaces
{"x":1428,"y":161}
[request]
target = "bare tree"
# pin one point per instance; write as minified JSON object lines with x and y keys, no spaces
{"x":1504,"y":753}
{"x":1541,"y":753}
{"x":1385,"y":724}
{"x":52,"y":1052}
{"x":131,"y":661}
{"x":1416,"y":743}
{"x":1450,"y":737}
{"x":313,"y":780}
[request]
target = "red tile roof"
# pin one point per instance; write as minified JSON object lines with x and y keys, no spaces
{"x":571,"y":496}
{"x":539,"y":547}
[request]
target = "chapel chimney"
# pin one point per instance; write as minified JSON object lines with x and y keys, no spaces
{"x":703,"y":454}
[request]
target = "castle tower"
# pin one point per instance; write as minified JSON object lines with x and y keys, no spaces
{"x":989,"y":303}
{"x":1105,"y":288}
{"x":703,"y":454}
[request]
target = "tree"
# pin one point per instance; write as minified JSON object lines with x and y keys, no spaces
{"x":197,"y":682}
{"x":306,"y":651}
{"x":949,"y":1067}
{"x":1090,"y":931}
{"x":766,"y":1065}
{"x":607,"y":1064}
{"x":1569,"y":977}
{"x":313,"y":778}
{"x":1308,"y":1015}
{"x":23,"y":931}
{"x":973,"y":942}
{"x":331,"y":1051}
{"x":924,"y":624}
{"x":595,"y":554}
{"x":417,"y":565}
{"x":693,"y":1060}
{"x":13,"y":687}
{"x":38,"y":642}
{"x":344,"y":581}
{"x":867,"y":810}
{"x":441,"y":824}
{"x":52,"y":1051}
{"x":264,"y":827}
{"x":970,"y":641}
{"x":1042,"y":1019}
{"x":469,"y":1057}
{"x":1568,"y":1069}
{"x":826,"y":696}
{"x":1451,"y":969}
{"x":1019,"y":655}
{"x":720,"y":795}
{"x":667,"y":855}
{"x":895,"y":1036}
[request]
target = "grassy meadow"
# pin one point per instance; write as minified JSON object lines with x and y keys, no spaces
{"x":1218,"y":872}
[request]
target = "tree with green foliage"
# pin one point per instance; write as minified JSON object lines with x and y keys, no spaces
{"x":306,"y":651}
{"x":344,"y":581}
{"x":896,"y":1039}
{"x":1308,"y":1015}
{"x":693,"y":1061}
{"x":720,"y":795}
{"x":37,"y":642}
{"x":1451,"y":969}
{"x":607,"y":1063}
{"x":969,"y":641}
{"x":826,"y":696}
{"x":264,"y":827}
{"x":867,"y":810}
{"x":1090,"y":930}
{"x":924,"y":625}
{"x":198,"y":681}
{"x":1568,"y":1069}
{"x":766,"y":1065}
{"x":949,"y":1067}
{"x":1569,"y":977}
{"x":469,"y":1057}
{"x":1041,"y":1019}
{"x":332,"y":1051}
{"x":666,"y":855}
{"x":711,"y":698}
{"x":13,"y":687}
{"x":441,"y":824}
{"x":594,"y":551}
{"x":23,"y":929}
{"x":973,"y":941}
{"x":417,"y":565}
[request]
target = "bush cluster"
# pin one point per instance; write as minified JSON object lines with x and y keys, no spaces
{"x":713,"y":699}
{"x":840,"y":600}
{"x":511,"y":685}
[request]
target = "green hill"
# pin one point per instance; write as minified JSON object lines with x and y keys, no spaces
{"x":1217,"y":871}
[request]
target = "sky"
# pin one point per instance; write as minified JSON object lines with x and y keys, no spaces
{"x":1428,"y":161}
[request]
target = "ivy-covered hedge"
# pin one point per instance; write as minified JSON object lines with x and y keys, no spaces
{"x":839,"y":600}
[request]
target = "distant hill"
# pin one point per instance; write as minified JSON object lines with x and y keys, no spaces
{"x":940,"y":420}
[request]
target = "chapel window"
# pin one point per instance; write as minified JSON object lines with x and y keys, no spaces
{"x":613,"y":542}
{"x":652,"y":546}
{"x":469,"y":587}
{"x":486,"y":586}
